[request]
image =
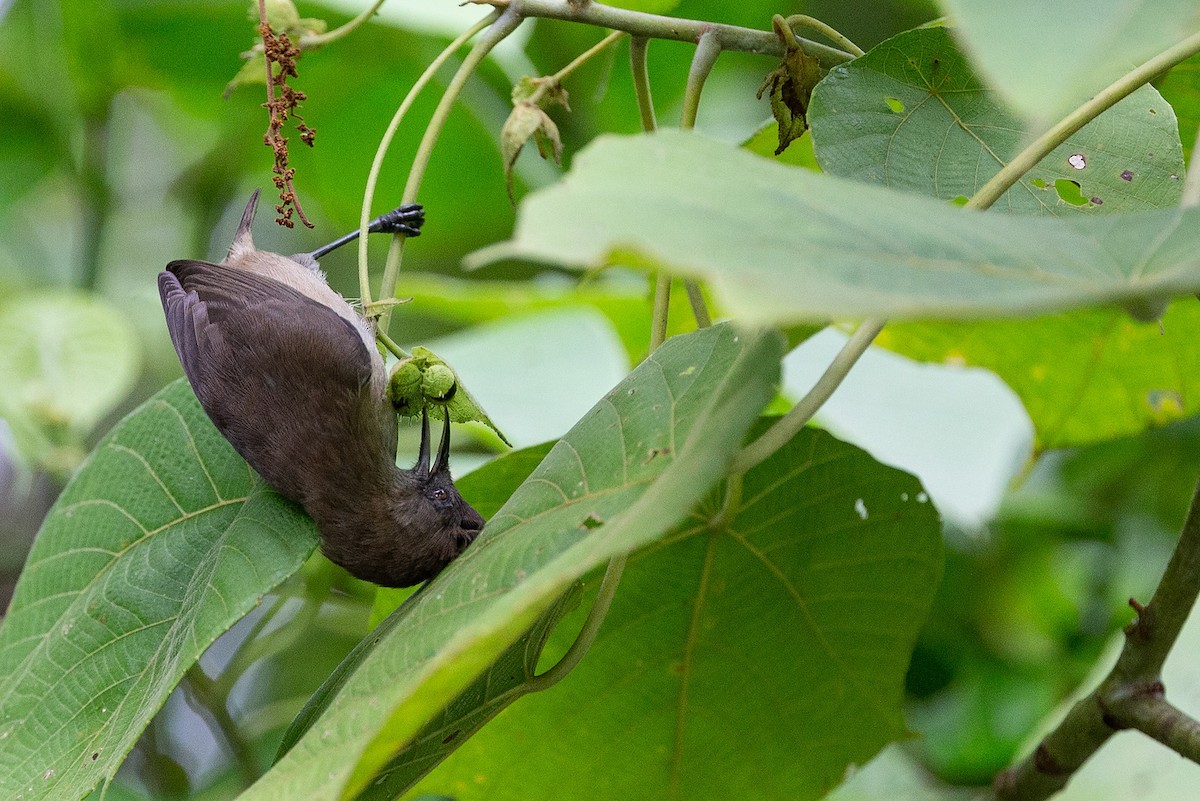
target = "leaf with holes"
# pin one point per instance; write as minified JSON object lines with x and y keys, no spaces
{"x":784,"y":245}
{"x":754,"y":658}
{"x":633,"y":467}
{"x":161,"y":542}
{"x":911,"y":115}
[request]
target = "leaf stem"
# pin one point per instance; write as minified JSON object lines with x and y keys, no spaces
{"x":588,"y":55}
{"x":1024,"y":161}
{"x":587,"y":635}
{"x":662,"y":308}
{"x":507,"y":22}
{"x":707,"y":51}
{"x":826,"y":30}
{"x":790,"y":424}
{"x":390,"y":344}
{"x":318,"y":39}
{"x":364,"y":275}
{"x":641,"y":82}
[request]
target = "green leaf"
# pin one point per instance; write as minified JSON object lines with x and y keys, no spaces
{"x":638,"y":462}
{"x":911,"y":115}
{"x":1083,"y":377}
{"x":67,"y":360}
{"x":1047,"y":58}
{"x":730,"y":648}
{"x":161,"y":542}
{"x":786,"y":245}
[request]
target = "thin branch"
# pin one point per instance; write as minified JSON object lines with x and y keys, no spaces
{"x":318,"y":39}
{"x":588,"y":55}
{"x":504,"y":24}
{"x":641,"y":82}
{"x":1131,"y":696}
{"x":699,"y":307}
{"x":707,"y":51}
{"x":587,"y":635}
{"x":662,"y":307}
{"x":826,"y":30}
{"x":364,"y":275}
{"x":790,"y":424}
{"x":656,"y":26}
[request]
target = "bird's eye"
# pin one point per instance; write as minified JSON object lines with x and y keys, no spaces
{"x":440,"y":494}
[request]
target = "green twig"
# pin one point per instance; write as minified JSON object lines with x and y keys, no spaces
{"x":587,"y":635}
{"x":707,"y":51}
{"x":826,"y":30}
{"x":790,"y":424}
{"x":588,"y":55}
{"x":662,"y":308}
{"x":364,"y":275}
{"x":318,"y":39}
{"x":506,"y":23}
{"x":641,"y":82}
{"x":390,"y":344}
{"x":1028,"y":158}
{"x":699,"y":307}
{"x":214,"y":705}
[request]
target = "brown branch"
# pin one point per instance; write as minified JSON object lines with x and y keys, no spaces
{"x":1132,"y":695}
{"x":279,"y":50}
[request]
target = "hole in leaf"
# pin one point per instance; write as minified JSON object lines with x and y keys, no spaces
{"x":961,"y":200}
{"x":1095,"y":200}
{"x":1153,"y":111}
{"x":1039,"y":183}
{"x":1068,"y":191}
{"x":1077,"y":160}
{"x":894,"y":104}
{"x":1127,"y":175}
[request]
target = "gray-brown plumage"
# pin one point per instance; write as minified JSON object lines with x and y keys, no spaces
{"x":289,"y":373}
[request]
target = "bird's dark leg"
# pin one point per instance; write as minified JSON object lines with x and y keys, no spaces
{"x":406,"y":220}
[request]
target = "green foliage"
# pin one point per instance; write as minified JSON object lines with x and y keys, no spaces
{"x":677,"y":417}
{"x":791,"y":246}
{"x":912,"y":115}
{"x":827,"y":596}
{"x":162,"y":541}
{"x":759,"y":645}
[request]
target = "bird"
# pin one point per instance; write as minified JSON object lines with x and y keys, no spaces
{"x":289,"y":373}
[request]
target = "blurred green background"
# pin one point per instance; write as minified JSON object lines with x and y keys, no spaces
{"x":118,"y":153}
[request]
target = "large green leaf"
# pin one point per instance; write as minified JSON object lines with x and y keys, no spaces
{"x":1048,"y":57}
{"x":634,"y":466}
{"x":163,"y":540}
{"x":782,"y":245}
{"x":910,"y":114}
{"x":732,"y":647}
{"x":1083,"y":376}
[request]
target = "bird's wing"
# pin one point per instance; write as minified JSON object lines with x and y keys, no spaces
{"x":257,"y":353}
{"x":214,"y":311}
